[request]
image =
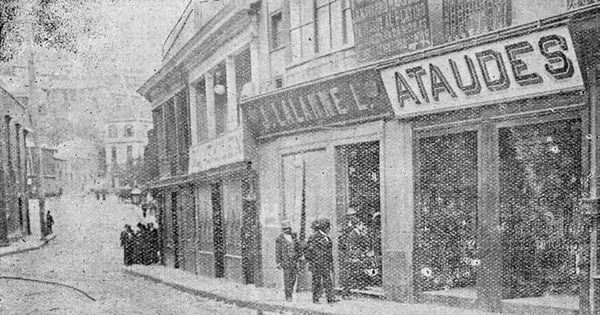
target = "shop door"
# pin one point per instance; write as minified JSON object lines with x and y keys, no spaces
{"x":249,"y":227}
{"x":175,"y":228}
{"x":539,"y":173}
{"x":446,"y":257}
{"x":218,"y":233}
{"x":359,"y":214}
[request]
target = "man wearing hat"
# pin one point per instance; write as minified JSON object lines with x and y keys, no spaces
{"x":288,"y":252}
{"x":319,"y":253}
{"x":350,"y":246}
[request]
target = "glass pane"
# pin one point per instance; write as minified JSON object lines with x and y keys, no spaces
{"x":323,"y":30}
{"x":337,"y":26}
{"x":307,"y":11}
{"x":446,"y":244}
{"x":308,"y":41}
{"x":349,"y":35}
{"x":296,"y":44}
{"x":294,"y":13}
{"x":540,"y":167}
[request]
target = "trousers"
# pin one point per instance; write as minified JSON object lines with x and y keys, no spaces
{"x":321,"y":279}
{"x":289,"y":280}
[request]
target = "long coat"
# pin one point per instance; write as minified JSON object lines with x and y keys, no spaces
{"x":319,"y":252}
{"x":287,"y":254}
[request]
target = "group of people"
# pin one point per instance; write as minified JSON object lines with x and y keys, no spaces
{"x":141,"y":246}
{"x":318,"y":252}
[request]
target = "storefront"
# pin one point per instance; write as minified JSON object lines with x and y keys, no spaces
{"x":208,"y":218}
{"x":319,"y":154}
{"x":492,"y":147}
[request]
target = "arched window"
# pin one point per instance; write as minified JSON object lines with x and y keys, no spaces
{"x":112,"y":131}
{"x":128,"y":131}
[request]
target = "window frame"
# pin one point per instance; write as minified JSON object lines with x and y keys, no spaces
{"x":346,"y":28}
{"x":112,"y":131}
{"x":276,"y":36}
{"x":128,"y":131}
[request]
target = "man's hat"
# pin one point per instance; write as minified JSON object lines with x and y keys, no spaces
{"x":350,"y":211}
{"x":285,"y":223}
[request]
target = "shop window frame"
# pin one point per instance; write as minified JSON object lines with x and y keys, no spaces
{"x":487,"y":122}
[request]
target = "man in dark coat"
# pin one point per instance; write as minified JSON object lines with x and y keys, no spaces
{"x":319,"y":253}
{"x":127,"y":244}
{"x":49,"y":222}
{"x":288,"y":252}
{"x":153,"y":243}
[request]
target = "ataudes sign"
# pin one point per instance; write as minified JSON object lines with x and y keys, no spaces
{"x":535,"y":64}
{"x":349,"y":97}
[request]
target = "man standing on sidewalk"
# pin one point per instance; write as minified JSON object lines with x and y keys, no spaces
{"x":319,"y":253}
{"x":288,"y":252}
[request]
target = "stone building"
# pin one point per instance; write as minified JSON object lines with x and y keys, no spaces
{"x":462,"y":133}
{"x":14,"y":198}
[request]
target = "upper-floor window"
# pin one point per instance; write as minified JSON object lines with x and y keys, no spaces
{"x":128,"y":131}
{"x":327,"y":21}
{"x":112,"y":131}
{"x":113,"y":155}
{"x":463,"y":19}
{"x":277,"y":36}
{"x":129,"y":154}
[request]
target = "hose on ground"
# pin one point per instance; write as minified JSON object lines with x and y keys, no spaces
{"x":51,"y":283}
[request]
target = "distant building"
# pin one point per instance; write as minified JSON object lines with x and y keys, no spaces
{"x":54,"y":170}
{"x":15,"y":123}
{"x":82,"y":164}
{"x":125,"y":138}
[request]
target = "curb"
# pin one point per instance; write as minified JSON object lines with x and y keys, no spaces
{"x":45,"y":241}
{"x":265,"y":307}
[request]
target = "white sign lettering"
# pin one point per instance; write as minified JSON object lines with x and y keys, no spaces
{"x":535,"y":64}
{"x":224,"y":150}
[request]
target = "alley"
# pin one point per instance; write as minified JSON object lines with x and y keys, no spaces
{"x":86,"y":255}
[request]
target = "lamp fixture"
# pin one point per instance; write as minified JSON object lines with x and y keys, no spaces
{"x":219,"y":89}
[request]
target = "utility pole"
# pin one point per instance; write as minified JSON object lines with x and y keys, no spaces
{"x":35,"y":116}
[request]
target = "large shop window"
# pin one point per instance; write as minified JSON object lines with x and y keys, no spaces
{"x":446,"y":186}
{"x":358,"y":190}
{"x":540,"y":167}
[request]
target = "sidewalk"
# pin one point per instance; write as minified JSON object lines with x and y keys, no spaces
{"x":272,"y":300}
{"x":28,"y":243}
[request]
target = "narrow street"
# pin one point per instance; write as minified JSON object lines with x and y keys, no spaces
{"x":86,"y":255}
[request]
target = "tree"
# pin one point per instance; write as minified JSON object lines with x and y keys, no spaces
{"x":57,"y":24}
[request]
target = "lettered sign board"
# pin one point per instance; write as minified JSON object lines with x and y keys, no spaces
{"x":535,"y":64}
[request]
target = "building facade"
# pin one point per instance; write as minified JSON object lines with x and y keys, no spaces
{"x":14,"y":198}
{"x":124,"y":143}
{"x":55,"y":172}
{"x":462,"y":133}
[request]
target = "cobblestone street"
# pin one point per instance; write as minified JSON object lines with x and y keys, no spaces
{"x":86,"y":255}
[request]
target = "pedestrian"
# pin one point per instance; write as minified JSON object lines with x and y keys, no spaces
{"x":319,"y":253}
{"x":49,"y":222}
{"x":137,"y":244}
{"x":152,"y":244}
{"x":126,"y":243}
{"x":288,"y":252}
{"x":350,"y":247}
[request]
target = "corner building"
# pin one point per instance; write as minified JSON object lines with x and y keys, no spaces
{"x":464,"y":134}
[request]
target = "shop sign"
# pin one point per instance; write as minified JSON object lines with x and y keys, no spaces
{"x":574,"y":4}
{"x":227,"y":149}
{"x":354,"y":96}
{"x":534,"y":64}
{"x":385,"y":28}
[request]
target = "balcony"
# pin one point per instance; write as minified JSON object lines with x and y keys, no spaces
{"x":232,"y":147}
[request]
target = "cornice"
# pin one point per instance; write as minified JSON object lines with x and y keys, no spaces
{"x":171,"y":76}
